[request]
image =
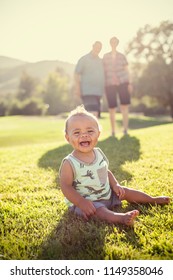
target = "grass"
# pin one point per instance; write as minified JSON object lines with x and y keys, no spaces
{"x":34,"y":221}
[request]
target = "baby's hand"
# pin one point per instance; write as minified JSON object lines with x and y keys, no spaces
{"x":87,"y":208}
{"x":119,"y":190}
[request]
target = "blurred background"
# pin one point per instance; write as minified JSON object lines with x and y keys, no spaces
{"x":41,"y":42}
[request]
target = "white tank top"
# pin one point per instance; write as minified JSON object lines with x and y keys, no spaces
{"x":91,"y":180}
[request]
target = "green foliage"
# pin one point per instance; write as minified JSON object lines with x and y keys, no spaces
{"x":26,"y":87}
{"x":56,"y":93}
{"x":3,"y":107}
{"x":30,"y":106}
{"x":33,"y":106}
{"x":153,"y":47}
{"x":52,"y":97}
{"x":150,"y":109}
{"x":34,"y":222}
{"x":157,"y":83}
{"x":152,"y":42}
{"x":15,"y":107}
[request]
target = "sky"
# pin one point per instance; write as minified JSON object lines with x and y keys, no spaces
{"x":35,"y":30}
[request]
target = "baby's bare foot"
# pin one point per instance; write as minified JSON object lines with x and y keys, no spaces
{"x":129,"y":217}
{"x":161,"y":200}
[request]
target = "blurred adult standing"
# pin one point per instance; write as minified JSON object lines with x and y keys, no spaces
{"x":117,"y":84}
{"x":90,"y":80}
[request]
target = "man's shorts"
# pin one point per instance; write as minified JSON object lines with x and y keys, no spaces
{"x":91,"y":103}
{"x":122,"y":92}
{"x":112,"y":202}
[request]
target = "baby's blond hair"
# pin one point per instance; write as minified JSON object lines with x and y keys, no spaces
{"x":80,"y":111}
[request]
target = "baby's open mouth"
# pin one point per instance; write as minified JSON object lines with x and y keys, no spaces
{"x":85,"y":143}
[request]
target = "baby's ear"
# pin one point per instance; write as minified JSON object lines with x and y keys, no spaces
{"x":67,"y":137}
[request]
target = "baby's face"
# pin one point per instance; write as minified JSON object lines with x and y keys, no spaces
{"x":82,"y":133}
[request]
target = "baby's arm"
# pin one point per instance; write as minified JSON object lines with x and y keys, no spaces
{"x":119,"y":190}
{"x":66,"y":181}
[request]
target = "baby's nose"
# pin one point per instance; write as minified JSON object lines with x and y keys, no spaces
{"x":84,"y":134}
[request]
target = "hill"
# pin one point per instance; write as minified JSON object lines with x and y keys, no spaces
{"x":8,"y":62}
{"x":11,"y":70}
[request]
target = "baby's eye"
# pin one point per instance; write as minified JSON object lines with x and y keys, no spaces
{"x":76,"y":133}
{"x":90,"y":131}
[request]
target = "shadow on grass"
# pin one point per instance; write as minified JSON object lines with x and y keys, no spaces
{"x":74,"y":238}
{"x":118,"y":151}
{"x":137,"y":122}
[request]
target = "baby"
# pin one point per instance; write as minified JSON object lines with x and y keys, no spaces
{"x":90,"y":188}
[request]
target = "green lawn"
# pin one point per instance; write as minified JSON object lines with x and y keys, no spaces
{"x":34,"y":222}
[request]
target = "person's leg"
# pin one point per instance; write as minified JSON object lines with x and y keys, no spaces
{"x":112,"y":112}
{"x":135,"y":196}
{"x":99,"y":107}
{"x":92,"y":104}
{"x":116,"y":218}
{"x":125,"y":116}
{"x":124,"y":97}
{"x":111,"y":95}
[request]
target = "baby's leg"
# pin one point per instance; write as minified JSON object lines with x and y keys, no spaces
{"x":134,"y":196}
{"x":161,"y":200}
{"x":112,"y":217}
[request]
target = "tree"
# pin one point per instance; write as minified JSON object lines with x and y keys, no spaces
{"x":33,"y":106}
{"x":151,"y":42}
{"x":55,"y":94}
{"x":3,"y":107}
{"x":157,"y":82}
{"x":26,"y":87}
{"x":153,"y":46}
